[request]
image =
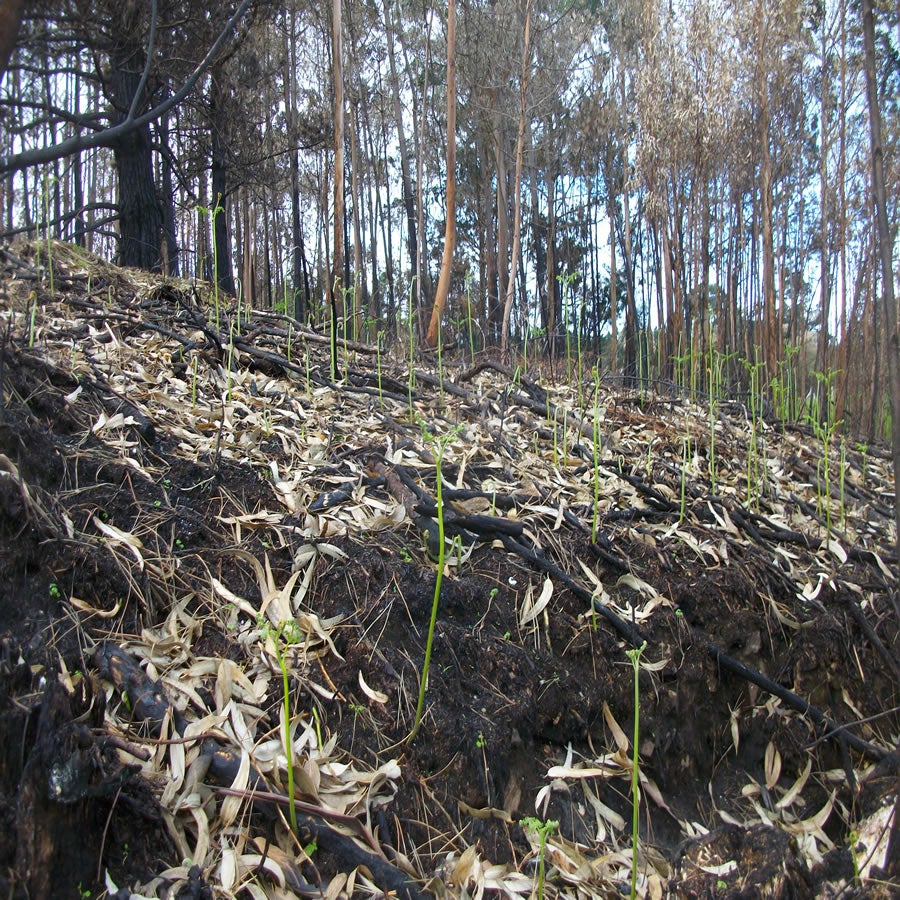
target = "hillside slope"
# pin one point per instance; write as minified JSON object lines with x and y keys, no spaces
{"x":193,"y":515}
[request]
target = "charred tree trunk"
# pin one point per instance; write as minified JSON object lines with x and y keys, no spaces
{"x":219,"y":200}
{"x":171,"y":262}
{"x":337,"y":282}
{"x":140,"y":211}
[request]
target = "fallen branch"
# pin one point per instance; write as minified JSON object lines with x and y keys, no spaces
{"x":729,"y":663}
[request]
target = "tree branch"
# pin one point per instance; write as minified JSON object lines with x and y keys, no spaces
{"x":109,"y":136}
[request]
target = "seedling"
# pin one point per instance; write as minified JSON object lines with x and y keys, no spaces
{"x":469,"y":315}
{"x":412,"y":347}
{"x":378,"y":336}
{"x":32,"y":319}
{"x":543,"y":830}
{"x":213,"y":213}
{"x":635,"y":657}
{"x":753,"y":450}
{"x":825,"y":427}
{"x":440,"y":445}
{"x":230,"y":363}
{"x":194,"y":381}
{"x":440,"y":363}
{"x":596,"y":455}
{"x":47,"y":181}
{"x":282,"y":637}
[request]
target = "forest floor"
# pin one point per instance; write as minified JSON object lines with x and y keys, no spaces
{"x":194,"y":514}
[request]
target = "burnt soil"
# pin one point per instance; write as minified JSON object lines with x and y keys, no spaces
{"x":162,"y":479}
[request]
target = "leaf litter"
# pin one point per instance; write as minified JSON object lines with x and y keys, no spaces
{"x":170,"y":496}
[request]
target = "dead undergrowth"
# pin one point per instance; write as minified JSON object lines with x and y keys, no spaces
{"x":192,"y":512}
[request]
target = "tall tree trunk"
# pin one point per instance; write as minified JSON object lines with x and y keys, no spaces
{"x":824,"y":387}
{"x":553,"y":316}
{"x":488,"y":291}
{"x":170,"y":236}
{"x":517,"y":184}
{"x":220,"y":202}
{"x":613,"y":278}
{"x":299,"y":282}
{"x":539,"y":237}
{"x":336,"y":285}
{"x":770,"y":334}
{"x":358,"y":295}
{"x":885,"y":245}
{"x":443,"y":286}
{"x":140,"y":212}
{"x":10,"y":22}
{"x":248,"y":266}
{"x":502,"y":257}
{"x":409,"y":200}
{"x":632,"y":324}
{"x":845,"y":328}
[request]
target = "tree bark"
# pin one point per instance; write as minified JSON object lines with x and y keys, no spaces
{"x":170,"y":251}
{"x":770,"y":334}
{"x":885,"y":245}
{"x":517,"y":187}
{"x":613,"y":296}
{"x":10,"y":22}
{"x":140,"y":211}
{"x":409,"y":200}
{"x":822,"y":367}
{"x":443,"y":286}
{"x":219,"y":201}
{"x":336,"y":285}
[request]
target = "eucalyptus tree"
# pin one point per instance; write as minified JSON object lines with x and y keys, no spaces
{"x":886,"y":238}
{"x":443,"y":285}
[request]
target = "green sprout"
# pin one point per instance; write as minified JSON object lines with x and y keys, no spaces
{"x":543,"y":830}
{"x":635,"y":657}
{"x":283,"y":636}
{"x":440,"y":445}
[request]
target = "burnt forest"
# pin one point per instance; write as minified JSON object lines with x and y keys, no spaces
{"x":448,"y":450}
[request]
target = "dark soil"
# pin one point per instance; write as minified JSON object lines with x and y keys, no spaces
{"x":85,"y":761}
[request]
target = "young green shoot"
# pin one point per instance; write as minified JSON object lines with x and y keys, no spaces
{"x":378,"y":336}
{"x":32,"y":319}
{"x":440,"y":363}
{"x":580,"y":325}
{"x":825,"y":427}
{"x":543,"y":831}
{"x":596,"y":455}
{"x":635,"y":657}
{"x":333,"y":328}
{"x":230,"y":363}
{"x":412,"y":350}
{"x":194,"y":364}
{"x":47,"y":181}
{"x":439,"y":445}
{"x":282,"y":637}
{"x":754,"y":468}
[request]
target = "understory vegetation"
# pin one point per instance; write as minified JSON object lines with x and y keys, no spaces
{"x":420,"y":629}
